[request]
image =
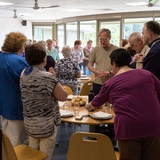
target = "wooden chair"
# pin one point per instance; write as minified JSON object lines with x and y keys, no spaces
{"x":92,"y":76}
{"x":20,"y":152}
{"x":85,"y":88}
{"x":68,"y":89}
{"x":91,"y":146}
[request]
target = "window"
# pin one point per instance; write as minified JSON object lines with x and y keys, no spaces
{"x":88,"y":32}
{"x":60,"y":40}
{"x":42,"y":33}
{"x":133,"y":25}
{"x":114,"y":27}
{"x":71,"y":33}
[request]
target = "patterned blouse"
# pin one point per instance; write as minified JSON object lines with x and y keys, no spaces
{"x":67,"y":70}
{"x":40,"y":107}
{"x":77,"y":55}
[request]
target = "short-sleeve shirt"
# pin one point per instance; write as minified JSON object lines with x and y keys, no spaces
{"x":54,"y":53}
{"x":67,"y":70}
{"x":100,"y":57}
{"x":40,"y":107}
{"x":77,"y":55}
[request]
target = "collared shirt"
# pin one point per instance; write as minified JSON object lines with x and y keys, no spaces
{"x":144,"y":52}
{"x":54,"y":53}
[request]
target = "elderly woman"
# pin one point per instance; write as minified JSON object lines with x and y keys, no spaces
{"x":11,"y":66}
{"x":40,"y":92}
{"x":67,"y":70}
{"x":135,"y":95}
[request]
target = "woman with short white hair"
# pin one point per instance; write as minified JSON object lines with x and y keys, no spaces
{"x":67,"y":70}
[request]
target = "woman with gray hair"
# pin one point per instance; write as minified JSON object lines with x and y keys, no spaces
{"x":67,"y":70}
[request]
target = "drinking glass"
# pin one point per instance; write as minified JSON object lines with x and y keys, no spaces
{"x":66,"y":106}
{"x":76,"y":110}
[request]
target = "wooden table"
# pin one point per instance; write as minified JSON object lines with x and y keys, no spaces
{"x":84,"y":79}
{"x":87,"y":119}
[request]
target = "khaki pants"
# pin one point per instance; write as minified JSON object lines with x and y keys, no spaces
{"x":45,"y":145}
{"x":140,"y":149}
{"x":14,"y":129}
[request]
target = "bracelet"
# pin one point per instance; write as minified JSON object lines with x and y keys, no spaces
{"x":110,"y":73}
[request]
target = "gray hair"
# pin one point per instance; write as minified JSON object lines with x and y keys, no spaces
{"x":135,"y":35}
{"x":108,"y":32}
{"x":66,"y":51}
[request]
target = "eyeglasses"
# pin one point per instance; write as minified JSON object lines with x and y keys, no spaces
{"x":103,"y":39}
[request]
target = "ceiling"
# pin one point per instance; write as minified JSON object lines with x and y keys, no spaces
{"x":69,"y":8}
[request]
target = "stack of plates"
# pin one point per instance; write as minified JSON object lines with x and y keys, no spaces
{"x":101,"y":115}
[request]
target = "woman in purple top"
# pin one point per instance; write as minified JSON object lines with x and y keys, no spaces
{"x":135,"y":95}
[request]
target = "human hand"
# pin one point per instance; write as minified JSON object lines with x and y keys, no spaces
{"x":138,"y":57}
{"x":51,"y":70}
{"x":89,"y":107}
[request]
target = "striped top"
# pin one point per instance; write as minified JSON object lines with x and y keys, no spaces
{"x":40,"y":107}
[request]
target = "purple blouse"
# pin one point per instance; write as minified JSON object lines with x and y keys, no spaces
{"x":135,"y":96}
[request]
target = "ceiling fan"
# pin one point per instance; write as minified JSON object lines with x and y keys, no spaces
{"x":36,"y":6}
{"x":153,"y":3}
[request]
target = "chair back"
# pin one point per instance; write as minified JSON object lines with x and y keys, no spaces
{"x":92,"y":76}
{"x":20,"y":152}
{"x":86,"y":88}
{"x":68,"y":89}
{"x":90,"y":146}
{"x":8,"y":152}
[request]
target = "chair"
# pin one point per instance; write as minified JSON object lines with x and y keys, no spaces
{"x":92,"y":76}
{"x":85,"y":88}
{"x":20,"y":152}
{"x":91,"y":146}
{"x":68,"y":89}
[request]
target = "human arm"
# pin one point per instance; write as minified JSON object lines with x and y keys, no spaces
{"x":60,"y":93}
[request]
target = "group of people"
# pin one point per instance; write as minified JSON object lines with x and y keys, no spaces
{"x":30,"y":93}
{"x":134,"y":93}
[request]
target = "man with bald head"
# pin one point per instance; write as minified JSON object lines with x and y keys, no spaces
{"x":137,"y":44}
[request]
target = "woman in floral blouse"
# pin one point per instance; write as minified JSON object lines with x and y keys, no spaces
{"x":67,"y":70}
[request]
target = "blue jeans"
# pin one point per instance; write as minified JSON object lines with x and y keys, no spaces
{"x":86,"y":71}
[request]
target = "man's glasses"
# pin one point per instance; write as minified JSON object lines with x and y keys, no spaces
{"x":103,"y":39}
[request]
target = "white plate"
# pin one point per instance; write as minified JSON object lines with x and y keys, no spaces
{"x":65,"y":113}
{"x":85,"y":78}
{"x":60,"y":103}
{"x":74,"y":96}
{"x":82,"y":76}
{"x":101,"y":115}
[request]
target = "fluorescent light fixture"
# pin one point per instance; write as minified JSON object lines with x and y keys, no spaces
{"x":26,"y":14}
{"x":73,"y":10}
{"x":5,"y":3}
{"x":137,"y":4}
